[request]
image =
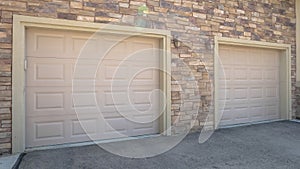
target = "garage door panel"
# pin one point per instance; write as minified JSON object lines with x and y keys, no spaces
{"x":125,"y":72}
{"x":258,"y":111}
{"x":83,"y":43}
{"x":271,"y":75}
{"x":49,"y":100}
{"x":49,"y":72}
{"x":256,"y":92}
{"x":271,"y":92}
{"x":114,"y":124}
{"x":61,"y":44}
{"x":113,"y":70}
{"x":43,"y":101}
{"x":255,"y":74}
{"x":254,"y":59}
{"x":270,"y":60}
{"x":40,"y":43}
{"x":240,"y":73}
{"x":84,"y":99}
{"x":84,"y":126}
{"x":61,"y":129}
{"x":253,"y":85}
{"x":240,"y":93}
{"x":43,"y":130}
{"x":85,"y":70}
{"x":48,"y":130}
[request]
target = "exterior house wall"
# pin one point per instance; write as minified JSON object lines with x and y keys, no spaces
{"x":195,"y":23}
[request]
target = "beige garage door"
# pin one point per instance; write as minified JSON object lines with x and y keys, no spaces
{"x":249,"y":85}
{"x":50,"y":111}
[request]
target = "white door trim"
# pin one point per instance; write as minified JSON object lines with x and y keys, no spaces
{"x":285,"y":70}
{"x":20,"y":23}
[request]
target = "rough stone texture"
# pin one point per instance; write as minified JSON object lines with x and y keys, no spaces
{"x":195,"y":23}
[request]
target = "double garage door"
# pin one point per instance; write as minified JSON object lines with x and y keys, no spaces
{"x":128,"y":108}
{"x":249,"y":85}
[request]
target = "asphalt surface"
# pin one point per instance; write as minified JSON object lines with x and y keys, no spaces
{"x":264,"y":146}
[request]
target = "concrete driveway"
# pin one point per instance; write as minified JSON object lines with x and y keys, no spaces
{"x":265,"y":146}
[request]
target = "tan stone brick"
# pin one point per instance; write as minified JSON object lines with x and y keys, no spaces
{"x":3,"y":35}
{"x":137,"y":3}
{"x":106,"y":19}
{"x":87,"y":8}
{"x":240,"y":28}
{"x":252,"y":25}
{"x":176,"y":88}
{"x":229,"y":20}
{"x":5,"y":145}
{"x":247,"y":34}
{"x":128,"y":19}
{"x":6,"y":125}
{"x":82,"y":12}
{"x":114,"y":15}
{"x":226,"y":28}
{"x":277,"y":33}
{"x":33,"y":4}
{"x":76,"y":5}
{"x":5,"y":129}
{"x":199,"y":15}
{"x":205,"y":28}
{"x":5,"y":135}
{"x":218,"y":11}
{"x":124,"y":5}
{"x":4,"y":111}
{"x":6,"y":121}
{"x":6,"y":14}
{"x":185,"y":55}
{"x":17,"y":5}
{"x":85,"y":18}
{"x":4,"y":104}
{"x":239,"y":11}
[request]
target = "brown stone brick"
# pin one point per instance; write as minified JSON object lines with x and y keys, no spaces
{"x":128,"y":11}
{"x":66,"y":16}
{"x":5,"y":116}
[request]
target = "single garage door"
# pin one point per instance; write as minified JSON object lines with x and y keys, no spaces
{"x":249,"y":85}
{"x":50,"y":113}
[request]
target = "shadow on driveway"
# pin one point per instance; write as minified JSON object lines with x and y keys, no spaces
{"x":264,"y":146}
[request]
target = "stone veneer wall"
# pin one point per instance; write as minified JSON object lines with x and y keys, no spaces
{"x":195,"y":22}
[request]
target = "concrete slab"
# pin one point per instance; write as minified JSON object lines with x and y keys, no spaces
{"x":7,"y":162}
{"x":266,"y":146}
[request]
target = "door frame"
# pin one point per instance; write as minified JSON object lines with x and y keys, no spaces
{"x":20,"y":23}
{"x":285,"y":71}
